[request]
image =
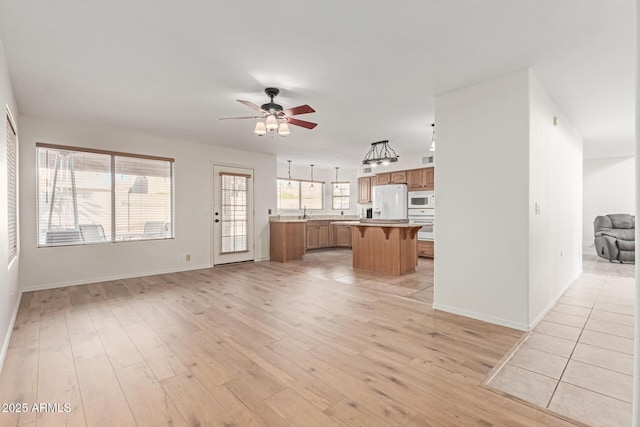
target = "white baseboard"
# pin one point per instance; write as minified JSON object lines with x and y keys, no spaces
{"x":480,"y":316}
{"x":7,"y":338}
{"x":553,"y":302}
{"x":109,"y":278}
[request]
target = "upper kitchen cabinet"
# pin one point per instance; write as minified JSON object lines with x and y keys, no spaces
{"x":364,"y":189}
{"x":382,"y":179}
{"x":421,"y":179}
{"x":399,"y":177}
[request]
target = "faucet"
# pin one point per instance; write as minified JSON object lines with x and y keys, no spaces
{"x":304,"y":213}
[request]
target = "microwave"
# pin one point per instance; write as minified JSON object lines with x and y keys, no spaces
{"x":421,"y":199}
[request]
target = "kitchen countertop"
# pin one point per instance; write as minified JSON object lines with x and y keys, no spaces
{"x":373,"y":224}
{"x":296,"y":218}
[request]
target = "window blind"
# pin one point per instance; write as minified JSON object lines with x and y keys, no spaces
{"x":341,"y":196}
{"x":234,"y":218}
{"x":95,"y":196}
{"x":298,"y":194}
{"x":12,"y":189}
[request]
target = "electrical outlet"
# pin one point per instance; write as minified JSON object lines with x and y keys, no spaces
{"x":187,"y":257}
{"x":560,"y":251}
{"x":537,"y":210}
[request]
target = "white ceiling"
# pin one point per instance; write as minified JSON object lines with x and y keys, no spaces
{"x":371,"y":69}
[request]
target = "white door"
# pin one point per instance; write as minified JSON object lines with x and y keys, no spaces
{"x":233,"y":214}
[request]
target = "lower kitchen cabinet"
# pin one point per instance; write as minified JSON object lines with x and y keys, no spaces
{"x":287,"y":240}
{"x":318,"y":234}
{"x":425,"y":248}
{"x":342,"y":236}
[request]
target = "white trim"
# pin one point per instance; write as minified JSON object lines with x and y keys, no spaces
{"x":553,"y":302}
{"x":109,"y":278}
{"x":483,"y":317}
{"x":7,"y":338}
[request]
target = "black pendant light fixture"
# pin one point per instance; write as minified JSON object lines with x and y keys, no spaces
{"x":337,"y":186}
{"x":380,"y":153}
{"x":311,"y":186}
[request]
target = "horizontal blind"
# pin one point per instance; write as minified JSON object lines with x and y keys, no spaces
{"x":87,"y":197}
{"x":341,"y":195}
{"x":143,"y":199}
{"x":311,"y":195}
{"x":234,"y":216}
{"x":12,"y":189}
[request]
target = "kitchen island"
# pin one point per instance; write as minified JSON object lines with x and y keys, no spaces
{"x":385,"y":247}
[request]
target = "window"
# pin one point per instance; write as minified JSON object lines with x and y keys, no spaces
{"x":341,"y":195}
{"x":93,"y":196}
{"x":298,"y":194}
{"x":12,"y":189}
{"x":235,"y":222}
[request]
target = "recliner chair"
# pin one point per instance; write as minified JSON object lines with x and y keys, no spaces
{"x":615,"y":237}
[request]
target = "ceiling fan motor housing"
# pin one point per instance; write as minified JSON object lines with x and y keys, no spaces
{"x":272,"y":107}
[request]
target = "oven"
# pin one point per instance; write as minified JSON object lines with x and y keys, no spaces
{"x":426,"y":218}
{"x":421,"y":199}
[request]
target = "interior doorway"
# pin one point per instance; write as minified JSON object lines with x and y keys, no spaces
{"x":233,"y":215}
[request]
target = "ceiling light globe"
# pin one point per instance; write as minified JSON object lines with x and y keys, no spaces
{"x":271,"y":122}
{"x":283,"y":129}
{"x":260,"y":129}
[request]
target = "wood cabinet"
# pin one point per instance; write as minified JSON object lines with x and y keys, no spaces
{"x":399,"y":177}
{"x":421,"y":179}
{"x":425,"y":248}
{"x":364,"y":189}
{"x":342,"y":236}
{"x":382,"y":178}
{"x":286,"y":241}
{"x":318,"y":235}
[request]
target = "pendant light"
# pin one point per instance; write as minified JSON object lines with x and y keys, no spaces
{"x":433,"y":138}
{"x":260,"y":129}
{"x":283,"y":129}
{"x":380,"y":153}
{"x":311,"y":186}
{"x":289,"y":185}
{"x":337,"y":186}
{"x":271,"y":123}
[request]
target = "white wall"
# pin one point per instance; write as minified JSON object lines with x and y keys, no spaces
{"x":482,"y":179}
{"x":499,"y":155}
{"x":9,"y":289}
{"x":58,"y":266}
{"x":555,"y":185}
{"x":328,"y":176}
{"x":609,"y":187}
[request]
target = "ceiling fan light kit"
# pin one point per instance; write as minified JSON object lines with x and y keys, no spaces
{"x":276,"y":118}
{"x":380,"y":153}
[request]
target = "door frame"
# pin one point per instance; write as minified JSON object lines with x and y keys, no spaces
{"x":212,"y":243}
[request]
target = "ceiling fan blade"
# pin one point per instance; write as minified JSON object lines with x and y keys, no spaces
{"x":301,"y":123}
{"x":301,"y":109}
{"x":233,"y":118}
{"x":250,"y":105}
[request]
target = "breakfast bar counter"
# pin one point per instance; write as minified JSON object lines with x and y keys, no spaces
{"x":384,"y":246}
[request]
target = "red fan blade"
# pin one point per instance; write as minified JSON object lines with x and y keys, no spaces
{"x":247,"y":117}
{"x":250,"y":105}
{"x":301,"y":123}
{"x":302,"y":109}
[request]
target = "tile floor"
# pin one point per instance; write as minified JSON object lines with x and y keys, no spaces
{"x":578,"y":361}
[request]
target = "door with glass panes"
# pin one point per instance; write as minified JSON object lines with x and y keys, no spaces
{"x":233,"y":215}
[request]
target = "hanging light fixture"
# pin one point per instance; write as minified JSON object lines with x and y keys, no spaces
{"x":433,"y":138}
{"x":380,"y":153}
{"x":260,"y":129}
{"x":289,"y":185}
{"x":283,"y":129}
{"x":337,"y":186}
{"x":311,"y":186}
{"x":271,"y":123}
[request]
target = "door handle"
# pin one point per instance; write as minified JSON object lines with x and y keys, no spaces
{"x":216,"y":220}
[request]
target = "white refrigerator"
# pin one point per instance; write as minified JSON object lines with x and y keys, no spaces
{"x":390,"y":201}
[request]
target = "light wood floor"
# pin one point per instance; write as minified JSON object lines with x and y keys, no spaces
{"x":306,"y":343}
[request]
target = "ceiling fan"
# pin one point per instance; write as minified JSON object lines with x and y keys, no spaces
{"x":276,"y":117}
